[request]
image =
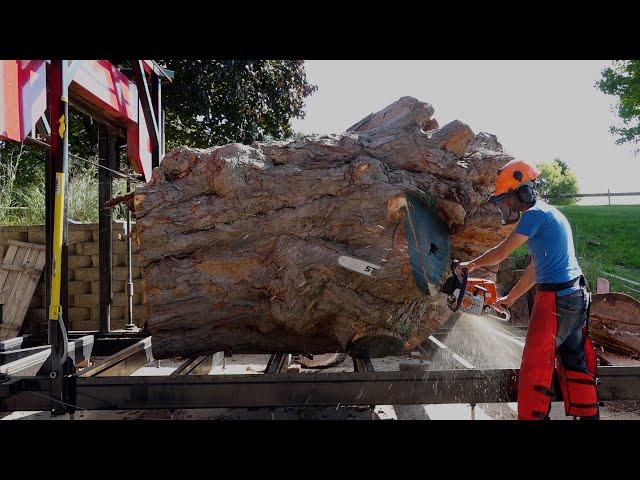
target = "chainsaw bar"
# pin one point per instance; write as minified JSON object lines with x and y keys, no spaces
{"x":358,"y":265}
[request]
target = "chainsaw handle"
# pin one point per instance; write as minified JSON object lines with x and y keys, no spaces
{"x":503,"y":315}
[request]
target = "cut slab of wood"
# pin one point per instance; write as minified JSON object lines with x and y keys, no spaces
{"x":19,"y":275}
{"x":615,"y":323}
{"x":240,"y":245}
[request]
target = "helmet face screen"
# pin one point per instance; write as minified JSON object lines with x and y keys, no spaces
{"x":509,"y":215}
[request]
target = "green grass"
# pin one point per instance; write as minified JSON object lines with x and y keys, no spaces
{"x":616,"y":229}
{"x":607,"y":239}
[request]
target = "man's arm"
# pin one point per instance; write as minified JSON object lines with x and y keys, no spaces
{"x":496,"y":254}
{"x":524,"y":284}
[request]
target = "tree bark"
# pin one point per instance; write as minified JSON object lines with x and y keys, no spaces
{"x":239,"y":244}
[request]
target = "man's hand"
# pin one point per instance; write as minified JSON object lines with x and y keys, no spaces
{"x":469,"y":266}
{"x":503,"y":303}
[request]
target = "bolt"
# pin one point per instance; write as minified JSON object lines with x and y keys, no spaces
{"x":53,"y":375}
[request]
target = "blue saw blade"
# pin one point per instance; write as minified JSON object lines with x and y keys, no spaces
{"x":429,"y":243}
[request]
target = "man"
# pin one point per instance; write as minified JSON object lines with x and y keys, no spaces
{"x":558,"y":338}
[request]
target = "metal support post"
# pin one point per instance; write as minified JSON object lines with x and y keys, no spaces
{"x":106,"y":152}
{"x":59,"y":120}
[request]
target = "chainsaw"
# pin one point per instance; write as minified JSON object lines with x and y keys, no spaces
{"x":476,"y":296}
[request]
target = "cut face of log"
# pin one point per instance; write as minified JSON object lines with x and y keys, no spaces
{"x":614,"y":323}
{"x":240,"y":244}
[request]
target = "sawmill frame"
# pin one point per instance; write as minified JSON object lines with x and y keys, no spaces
{"x":107,"y":385}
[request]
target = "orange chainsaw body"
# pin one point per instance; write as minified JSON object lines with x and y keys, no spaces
{"x":479,"y":287}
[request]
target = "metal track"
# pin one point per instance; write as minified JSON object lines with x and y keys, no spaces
{"x":283,"y":390}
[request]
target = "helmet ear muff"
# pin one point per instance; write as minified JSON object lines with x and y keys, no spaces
{"x":526,"y":194}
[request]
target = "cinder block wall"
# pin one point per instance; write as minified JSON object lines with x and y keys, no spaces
{"x":84,"y":277}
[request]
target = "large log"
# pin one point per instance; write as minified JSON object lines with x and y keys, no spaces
{"x":239,"y":244}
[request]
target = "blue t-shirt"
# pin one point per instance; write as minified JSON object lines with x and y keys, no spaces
{"x":551,"y":245}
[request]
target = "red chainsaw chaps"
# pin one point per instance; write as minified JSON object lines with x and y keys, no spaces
{"x":579,"y":390}
{"x":539,"y":361}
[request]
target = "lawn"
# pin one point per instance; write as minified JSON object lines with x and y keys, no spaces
{"x":607,"y":239}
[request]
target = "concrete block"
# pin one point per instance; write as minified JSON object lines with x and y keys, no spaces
{"x":83,"y":226}
{"x":84,"y":325}
{"x":78,"y":314}
{"x":35,"y":234}
{"x":86,"y":300}
{"x":87,"y":248}
{"x":116,"y":313}
{"x":117,"y":260}
{"x":79,"y":286}
{"x":79,"y":261}
{"x":118,"y":232}
{"x":121,"y":299}
{"x":121,"y":273}
{"x":79,"y":235}
{"x":9,"y":233}
{"x":87,"y":274}
{"x":116,"y":286}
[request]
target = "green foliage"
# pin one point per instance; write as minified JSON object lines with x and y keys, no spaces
{"x":557,"y":178}
{"x":28,"y":202}
{"x":622,"y":79}
{"x":214,"y":102}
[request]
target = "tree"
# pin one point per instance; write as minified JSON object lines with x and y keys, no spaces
{"x":214,"y":102}
{"x":622,"y":79}
{"x":556,"y":179}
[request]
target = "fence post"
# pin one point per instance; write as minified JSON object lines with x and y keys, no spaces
{"x":609,"y":196}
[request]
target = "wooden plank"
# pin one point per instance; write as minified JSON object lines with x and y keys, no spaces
{"x":12,"y":275}
{"x":19,"y":268}
{"x":31,"y":283}
{"x":15,"y":297}
{"x":21,"y":281}
{"x":8,"y":258}
{"x":37,"y":246}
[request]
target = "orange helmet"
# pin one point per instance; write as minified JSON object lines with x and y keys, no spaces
{"x":513,"y":175}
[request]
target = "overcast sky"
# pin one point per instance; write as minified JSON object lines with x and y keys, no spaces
{"x":538,"y":109}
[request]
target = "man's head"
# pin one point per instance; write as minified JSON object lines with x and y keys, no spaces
{"x":515,"y":189}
